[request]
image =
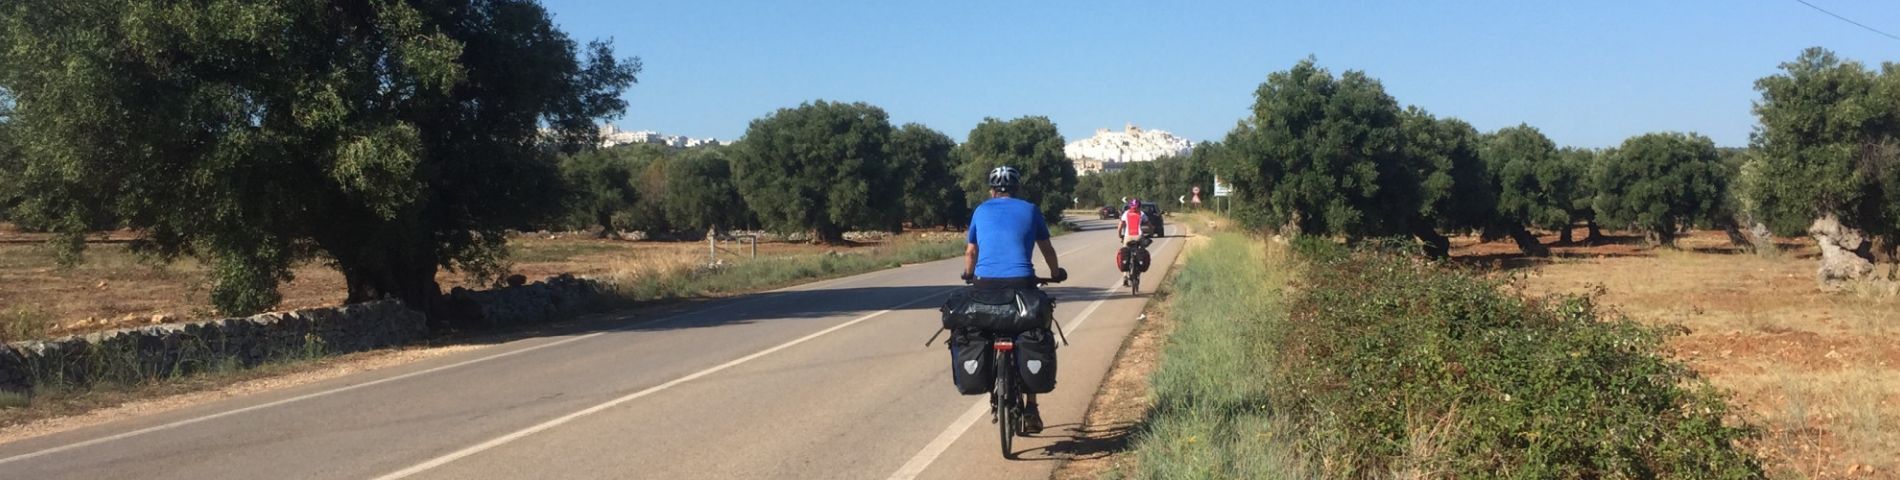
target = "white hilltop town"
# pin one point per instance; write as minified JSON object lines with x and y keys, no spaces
{"x":1109,"y":151}
{"x":611,"y":135}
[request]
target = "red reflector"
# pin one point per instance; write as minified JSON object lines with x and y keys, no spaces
{"x":1003,"y":345}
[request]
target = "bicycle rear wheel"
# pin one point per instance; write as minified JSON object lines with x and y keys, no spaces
{"x":1007,"y":416}
{"x":1134,"y":283}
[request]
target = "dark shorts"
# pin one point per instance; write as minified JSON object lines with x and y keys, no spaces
{"x":996,"y":283}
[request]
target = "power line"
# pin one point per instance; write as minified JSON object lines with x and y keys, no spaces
{"x":1848,"y":20}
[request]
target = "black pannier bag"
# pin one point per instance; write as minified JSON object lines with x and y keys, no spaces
{"x":1005,"y":311}
{"x":1036,"y":360}
{"x":1132,"y":258}
{"x":971,"y":365}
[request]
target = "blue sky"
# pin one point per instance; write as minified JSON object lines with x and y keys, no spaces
{"x":1586,"y":73}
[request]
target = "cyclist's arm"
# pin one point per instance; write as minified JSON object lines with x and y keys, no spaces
{"x":1048,"y":255}
{"x":969,"y":259}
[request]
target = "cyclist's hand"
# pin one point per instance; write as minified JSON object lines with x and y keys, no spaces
{"x":968,"y":277}
{"x":1060,"y":275}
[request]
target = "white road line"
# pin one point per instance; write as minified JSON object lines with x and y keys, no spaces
{"x":922,"y":460}
{"x":937,"y":446}
{"x":518,"y":434}
{"x":299,"y":398}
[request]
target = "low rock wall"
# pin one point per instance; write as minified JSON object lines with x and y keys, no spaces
{"x":162,"y":351}
{"x":167,"y":350}
{"x":548,"y":300}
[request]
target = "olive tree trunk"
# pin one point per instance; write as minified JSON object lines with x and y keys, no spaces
{"x":1526,"y":242}
{"x":1846,"y":255}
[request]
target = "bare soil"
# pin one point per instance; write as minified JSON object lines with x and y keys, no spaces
{"x":1818,"y":372}
{"x":1119,"y":406}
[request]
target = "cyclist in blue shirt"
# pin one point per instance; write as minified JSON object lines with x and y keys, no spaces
{"x":1002,"y":231}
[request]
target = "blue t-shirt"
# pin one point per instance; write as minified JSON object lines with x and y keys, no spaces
{"x":1005,"y":231}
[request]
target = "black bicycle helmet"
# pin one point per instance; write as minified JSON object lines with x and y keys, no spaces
{"x":1005,"y":178}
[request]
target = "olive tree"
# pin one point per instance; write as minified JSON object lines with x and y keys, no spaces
{"x":700,"y":191}
{"x":1574,"y":169}
{"x":1323,"y":155}
{"x":10,"y":161}
{"x":926,"y":168}
{"x":1826,"y":158}
{"x":1534,"y":187}
{"x":1659,"y":183}
{"x":600,"y":189}
{"x":386,"y":139}
{"x":1455,"y":188}
{"x":822,"y":167}
{"x":1034,"y":147}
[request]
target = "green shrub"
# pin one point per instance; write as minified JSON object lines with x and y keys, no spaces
{"x":1382,"y":365}
{"x":1398,"y":366}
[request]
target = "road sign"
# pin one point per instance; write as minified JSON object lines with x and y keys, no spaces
{"x":1222,"y":189}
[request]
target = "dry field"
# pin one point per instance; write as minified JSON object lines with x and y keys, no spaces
{"x":114,"y":288}
{"x":1818,"y":372}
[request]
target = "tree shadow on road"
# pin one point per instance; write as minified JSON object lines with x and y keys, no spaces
{"x":752,"y":308}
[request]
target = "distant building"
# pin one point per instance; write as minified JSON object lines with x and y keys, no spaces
{"x":611,"y":135}
{"x":1109,"y":151}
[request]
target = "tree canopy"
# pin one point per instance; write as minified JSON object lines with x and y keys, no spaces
{"x":1532,"y":181}
{"x":822,"y":167}
{"x":1323,"y":154}
{"x":927,"y":170}
{"x":700,"y":192}
{"x":1163,"y":181}
{"x":1535,"y":185}
{"x":10,"y":162}
{"x":1455,"y":188}
{"x":602,"y":188}
{"x":388,"y":139}
{"x":1661,"y":182}
{"x":1034,"y":147}
{"x":1828,"y":144}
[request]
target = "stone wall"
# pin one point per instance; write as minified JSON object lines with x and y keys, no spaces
{"x":552,"y":299}
{"x":162,"y":351}
{"x":168,"y":350}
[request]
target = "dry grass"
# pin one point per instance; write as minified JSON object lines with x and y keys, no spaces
{"x":1818,"y":371}
{"x":114,"y":288}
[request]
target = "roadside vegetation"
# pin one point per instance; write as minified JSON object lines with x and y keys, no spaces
{"x":1817,"y":371}
{"x":1323,"y":361}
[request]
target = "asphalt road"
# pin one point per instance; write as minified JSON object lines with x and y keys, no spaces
{"x":824,"y":380}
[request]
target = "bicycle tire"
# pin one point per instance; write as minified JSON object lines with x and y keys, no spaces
{"x":1007,"y":417}
{"x":1134,"y":284}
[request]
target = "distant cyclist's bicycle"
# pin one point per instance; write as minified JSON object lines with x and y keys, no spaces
{"x":1133,"y":258}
